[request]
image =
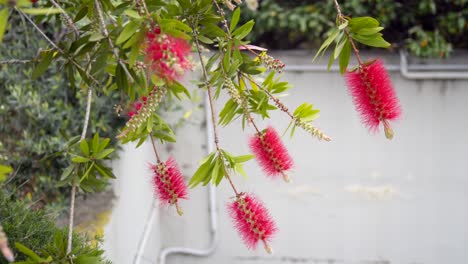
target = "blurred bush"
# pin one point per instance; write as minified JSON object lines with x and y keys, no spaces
{"x":36,"y":231}
{"x":427,"y":28}
{"x":38,"y":116}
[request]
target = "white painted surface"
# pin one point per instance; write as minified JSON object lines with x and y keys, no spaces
{"x":357,"y":199}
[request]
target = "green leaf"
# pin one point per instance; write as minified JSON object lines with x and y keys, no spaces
{"x":132,"y":13}
{"x":369,"y":31}
{"x":243,"y":158}
{"x":331,"y":60}
{"x":43,"y":65}
{"x":95,"y":143}
{"x":203,"y":172}
{"x":333,"y":34}
{"x":3,"y":22}
{"x":205,"y":39}
{"x":344,"y":56}
{"x":84,"y":147}
{"x":4,"y":171}
{"x":104,"y":171}
{"x":127,"y":32}
{"x":339,"y":46}
{"x":104,"y":143}
{"x":373,"y":40}
{"x":234,"y":19}
{"x":103,"y":154}
{"x":358,"y":23}
{"x":80,"y":159}
{"x":41,"y":11}
{"x":96,"y":37}
{"x":215,"y":172}
{"x":28,"y":252}
{"x":67,"y":172}
{"x":85,"y":175}
{"x":243,"y":30}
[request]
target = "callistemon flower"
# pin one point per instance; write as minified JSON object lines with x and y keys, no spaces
{"x":270,"y":62}
{"x":167,"y":56}
{"x":252,"y":221}
{"x":271,"y":153}
{"x":143,"y":110}
{"x":374,"y":96}
{"x":169,"y":184}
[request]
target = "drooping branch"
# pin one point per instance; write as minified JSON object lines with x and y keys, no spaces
{"x":297,"y":121}
{"x":73,"y":61}
{"x":74,"y":185}
{"x":210,"y":98}
{"x":111,"y":44}
{"x":351,"y":41}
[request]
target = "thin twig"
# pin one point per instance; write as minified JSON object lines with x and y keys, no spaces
{"x":353,"y":45}
{"x":67,"y":18}
{"x":16,"y":61}
{"x":111,"y":44}
{"x":210,"y":98}
{"x":306,"y":126}
{"x":73,"y":190}
{"x":55,"y":46}
{"x":158,"y":159}
{"x":228,"y":34}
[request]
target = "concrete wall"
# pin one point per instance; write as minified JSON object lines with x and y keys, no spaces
{"x":357,"y":199}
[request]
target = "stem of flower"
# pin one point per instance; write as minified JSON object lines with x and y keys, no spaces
{"x":111,"y":44}
{"x":210,"y":98}
{"x":351,"y":41}
{"x":315,"y":131}
{"x":158,"y":159}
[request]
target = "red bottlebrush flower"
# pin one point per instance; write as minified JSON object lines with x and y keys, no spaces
{"x":271,"y":153}
{"x":252,"y":221}
{"x":167,"y":56}
{"x":169,"y":184}
{"x":374,"y":96}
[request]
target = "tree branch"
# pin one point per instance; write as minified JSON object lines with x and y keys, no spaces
{"x":210,"y":98}
{"x":111,"y":44}
{"x":351,"y":41}
{"x":74,"y":186}
{"x":77,"y":65}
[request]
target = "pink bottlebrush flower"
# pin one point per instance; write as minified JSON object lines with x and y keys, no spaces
{"x":374,"y":96}
{"x":167,"y":56}
{"x":271,"y":153}
{"x":252,"y":221}
{"x":169,"y":184}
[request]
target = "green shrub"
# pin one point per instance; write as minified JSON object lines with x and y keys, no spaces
{"x":39,"y":115}
{"x":428,"y":28}
{"x":36,"y":231}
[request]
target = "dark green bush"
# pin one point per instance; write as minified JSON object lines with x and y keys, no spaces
{"x":36,"y":231}
{"x":38,"y":116}
{"x":428,"y":28}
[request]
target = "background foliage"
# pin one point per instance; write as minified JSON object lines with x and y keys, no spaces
{"x":35,"y":230}
{"x":39,"y":116}
{"x":428,"y":28}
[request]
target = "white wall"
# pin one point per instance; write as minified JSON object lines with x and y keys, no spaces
{"x":357,"y":199}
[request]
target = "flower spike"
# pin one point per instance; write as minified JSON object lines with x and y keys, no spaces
{"x":252,"y":220}
{"x":374,"y":96}
{"x":169,"y":184}
{"x":271,"y":153}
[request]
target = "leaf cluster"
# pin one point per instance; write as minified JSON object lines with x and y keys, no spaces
{"x":88,"y":169}
{"x":216,"y":166}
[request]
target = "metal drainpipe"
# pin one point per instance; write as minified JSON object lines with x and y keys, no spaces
{"x":434,"y":75}
{"x":431,"y":71}
{"x":212,"y":206}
